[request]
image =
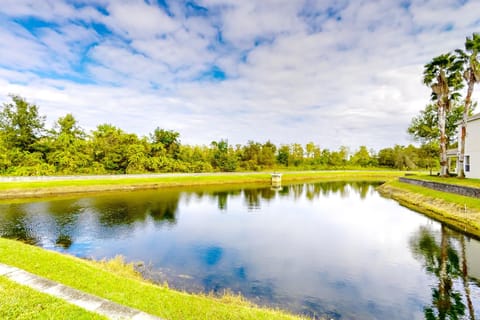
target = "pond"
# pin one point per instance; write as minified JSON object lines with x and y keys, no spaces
{"x":329,"y":250}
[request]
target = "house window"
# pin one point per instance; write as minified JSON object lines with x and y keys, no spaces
{"x":467,"y":163}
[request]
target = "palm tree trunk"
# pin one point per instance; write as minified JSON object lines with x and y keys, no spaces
{"x":466,"y":112}
{"x":443,"y":140}
{"x":465,"y":280}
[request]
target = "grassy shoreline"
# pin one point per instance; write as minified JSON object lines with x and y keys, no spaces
{"x":459,"y":212}
{"x":35,"y":189}
{"x":120,"y":283}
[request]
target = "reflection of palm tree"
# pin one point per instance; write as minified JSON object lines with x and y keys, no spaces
{"x":442,"y":261}
{"x":465,"y":279}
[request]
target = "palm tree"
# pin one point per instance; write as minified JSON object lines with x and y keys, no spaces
{"x":471,"y":76}
{"x":443,"y":76}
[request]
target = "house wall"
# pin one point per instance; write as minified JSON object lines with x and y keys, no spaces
{"x":472,"y":148}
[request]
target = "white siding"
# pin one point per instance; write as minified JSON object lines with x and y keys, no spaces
{"x":472,"y":148}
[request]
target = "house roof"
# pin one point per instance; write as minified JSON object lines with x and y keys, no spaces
{"x":474,"y":117}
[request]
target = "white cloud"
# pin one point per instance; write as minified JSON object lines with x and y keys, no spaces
{"x":334,"y":73}
{"x":137,"y":19}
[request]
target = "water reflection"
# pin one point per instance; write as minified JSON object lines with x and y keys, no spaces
{"x":333,"y":250}
{"x":441,"y":259}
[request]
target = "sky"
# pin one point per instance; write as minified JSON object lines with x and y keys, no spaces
{"x":333,"y":72}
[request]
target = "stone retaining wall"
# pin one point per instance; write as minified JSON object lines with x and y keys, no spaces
{"x":461,"y":190}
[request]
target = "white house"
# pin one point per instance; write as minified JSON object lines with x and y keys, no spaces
{"x":472,"y":147}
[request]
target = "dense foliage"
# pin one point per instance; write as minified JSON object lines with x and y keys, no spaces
{"x":27,"y":147}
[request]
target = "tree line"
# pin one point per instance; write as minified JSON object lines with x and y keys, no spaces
{"x":27,"y":147}
{"x":446,"y":75}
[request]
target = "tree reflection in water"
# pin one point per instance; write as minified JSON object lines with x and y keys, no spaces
{"x":441,"y":259}
{"x":61,"y":218}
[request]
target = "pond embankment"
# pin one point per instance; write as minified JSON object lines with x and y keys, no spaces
{"x":455,"y":205}
{"x":118,"y":282}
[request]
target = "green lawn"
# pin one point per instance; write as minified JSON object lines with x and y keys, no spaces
{"x":469,"y":182}
{"x":123,"y":287}
{"x":20,"y":302}
{"x":469,"y":202}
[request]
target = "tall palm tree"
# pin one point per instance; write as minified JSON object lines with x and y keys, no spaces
{"x":444,"y":76}
{"x":471,"y":76}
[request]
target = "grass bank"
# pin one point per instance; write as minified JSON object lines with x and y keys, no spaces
{"x":468,"y":182}
{"x":460,"y":212}
{"x":59,"y":186}
{"x":117,"y":282}
{"x":20,"y":302}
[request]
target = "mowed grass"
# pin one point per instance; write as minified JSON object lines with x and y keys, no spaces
{"x":125,"y":287}
{"x":20,"y":302}
{"x":463,"y":201}
{"x":467,"y":182}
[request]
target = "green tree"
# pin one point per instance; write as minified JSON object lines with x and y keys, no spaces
{"x":169,"y":139}
{"x":362,"y":157}
{"x":296,"y":154}
{"x":338,"y":158}
{"x":310,"y":149}
{"x":385,"y":158}
{"x":68,"y":146}
{"x":224,"y":157}
{"x":313,"y":153}
{"x":196,"y":158}
{"x":267,"y":155}
{"x":444,"y":76}
{"x":325,"y":156}
{"x":283,"y":155}
{"x":20,"y":124}
{"x":118,"y":151}
{"x":250,"y":155}
{"x":428,"y":156}
{"x":471,"y":75}
{"x":424,"y":128}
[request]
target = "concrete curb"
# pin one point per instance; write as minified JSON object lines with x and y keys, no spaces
{"x":84,"y":300}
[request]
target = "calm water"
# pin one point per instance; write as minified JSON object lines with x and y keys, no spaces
{"x":336,"y":250}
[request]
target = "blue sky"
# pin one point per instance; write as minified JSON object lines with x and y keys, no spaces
{"x":332,"y":72}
